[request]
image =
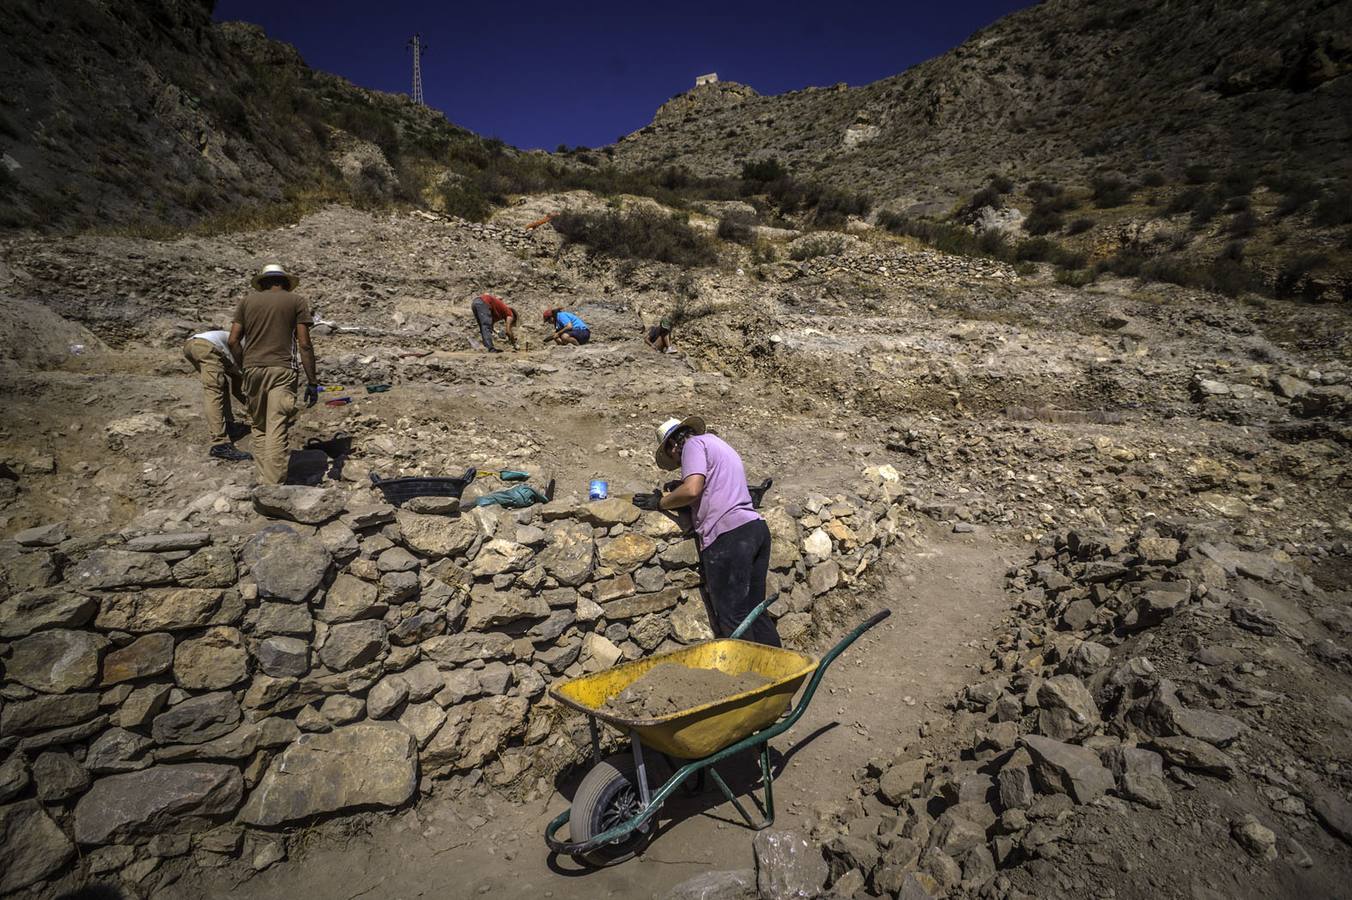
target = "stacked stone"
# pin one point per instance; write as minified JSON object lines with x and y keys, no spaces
{"x":180,"y":696}
{"x":1071,"y":710}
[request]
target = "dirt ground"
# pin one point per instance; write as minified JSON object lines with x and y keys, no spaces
{"x":945,"y":596}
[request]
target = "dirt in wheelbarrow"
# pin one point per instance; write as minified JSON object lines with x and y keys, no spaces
{"x":671,"y":688}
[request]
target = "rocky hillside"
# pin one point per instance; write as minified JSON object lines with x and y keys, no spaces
{"x":148,"y":112}
{"x":1061,"y":91}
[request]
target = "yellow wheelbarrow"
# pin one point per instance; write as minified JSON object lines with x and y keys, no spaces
{"x":614,"y":805}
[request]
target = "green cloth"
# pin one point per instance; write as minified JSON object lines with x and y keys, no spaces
{"x":519,"y":497}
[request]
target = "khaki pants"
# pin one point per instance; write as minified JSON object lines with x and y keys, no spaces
{"x":272,"y":404}
{"x":218,"y":383}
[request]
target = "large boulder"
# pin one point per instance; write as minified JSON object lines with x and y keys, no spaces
{"x":56,"y":661}
{"x":476,"y":732}
{"x":609,"y":512}
{"x":359,"y":765}
{"x":353,"y":644}
{"x":160,"y":609}
{"x":1066,"y":708}
{"x":350,"y":598}
{"x":437,"y":536}
{"x":157,"y":799}
{"x":46,"y":713}
{"x":284,"y":564}
{"x":298,"y":503}
{"x":197,"y":719}
{"x":211,"y":662}
{"x":1061,"y":768}
{"x":105,"y":569}
{"x":32,"y":846}
{"x":571,"y":554}
{"x":785,"y":538}
{"x":503,"y":607}
{"x":150,"y":654}
{"x":30,"y":611}
{"x":628,"y":551}
{"x":788,"y":866}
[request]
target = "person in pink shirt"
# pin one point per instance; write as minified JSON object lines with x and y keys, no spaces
{"x":734,"y":540}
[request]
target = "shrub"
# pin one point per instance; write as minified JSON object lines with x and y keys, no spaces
{"x":1242,"y":224}
{"x":1110,"y":191}
{"x":1076,"y":277}
{"x":465,"y":201}
{"x":1045,"y":250}
{"x":1205,"y":210}
{"x":738,"y":228}
{"x":1197,"y":173}
{"x":1294,"y":271}
{"x":1238,"y":183}
{"x":1043,"y":190}
{"x":1043,"y":221}
{"x":764,"y":171}
{"x":1334,"y":208}
{"x":643,"y":234}
{"x":947,"y":237}
{"x":987,"y":196}
{"x":1025,"y":268}
{"x":1297,"y":193}
{"x":1001,"y":183}
{"x":1153,"y":179}
{"x":1185,"y":200}
{"x":1080,"y":226}
{"x":817,"y":245}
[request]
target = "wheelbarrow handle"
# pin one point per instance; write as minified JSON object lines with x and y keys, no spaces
{"x":753,"y":615}
{"x":826,"y":661}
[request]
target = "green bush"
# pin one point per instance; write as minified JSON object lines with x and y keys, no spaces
{"x":1001,"y":183}
{"x":987,"y":196}
{"x":948,"y":237}
{"x":1043,"y":221}
{"x":1080,"y":226}
{"x":764,"y":171}
{"x":1025,"y":268}
{"x":1042,"y":249}
{"x":738,"y":228}
{"x":1242,"y":224}
{"x":1110,"y":191}
{"x":1153,"y":179}
{"x":1294,"y":271}
{"x":1076,"y":277}
{"x":1197,"y":173}
{"x":465,"y":201}
{"x":817,"y":245}
{"x":1334,"y":208}
{"x":643,"y":234}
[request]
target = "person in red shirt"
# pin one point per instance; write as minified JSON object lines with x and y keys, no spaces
{"x":488,"y":311}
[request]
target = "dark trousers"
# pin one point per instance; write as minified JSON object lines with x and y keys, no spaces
{"x":735,"y":565}
{"x":484,"y":315}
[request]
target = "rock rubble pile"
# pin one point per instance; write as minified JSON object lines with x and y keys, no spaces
{"x":1146,"y":688}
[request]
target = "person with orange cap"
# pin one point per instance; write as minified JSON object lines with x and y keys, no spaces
{"x":568,"y":327}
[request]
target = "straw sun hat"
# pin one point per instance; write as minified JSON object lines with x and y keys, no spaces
{"x":273,"y":270}
{"x":664,"y":459}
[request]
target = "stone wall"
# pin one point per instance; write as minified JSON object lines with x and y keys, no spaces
{"x":190,"y":698}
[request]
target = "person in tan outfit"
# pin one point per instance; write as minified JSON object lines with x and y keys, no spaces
{"x":271,"y":329}
{"x":209,"y":354}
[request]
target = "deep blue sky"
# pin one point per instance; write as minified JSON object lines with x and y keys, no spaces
{"x":541,"y":74}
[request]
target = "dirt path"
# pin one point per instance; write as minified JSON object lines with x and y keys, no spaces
{"x":945,"y":596}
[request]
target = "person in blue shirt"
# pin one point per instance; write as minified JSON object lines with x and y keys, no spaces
{"x":568,"y":328}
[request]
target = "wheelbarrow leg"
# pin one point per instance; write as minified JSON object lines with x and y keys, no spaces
{"x":595,"y":740}
{"x":640,"y":773}
{"x":768,"y":818}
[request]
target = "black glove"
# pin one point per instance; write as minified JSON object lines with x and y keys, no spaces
{"x":311,"y":395}
{"x":648,"y":501}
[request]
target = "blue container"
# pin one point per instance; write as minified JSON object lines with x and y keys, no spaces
{"x":598,"y":489}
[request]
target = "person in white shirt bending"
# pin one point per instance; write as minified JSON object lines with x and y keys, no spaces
{"x":210,"y":356}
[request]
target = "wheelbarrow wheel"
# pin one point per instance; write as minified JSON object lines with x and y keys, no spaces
{"x":608,"y":796}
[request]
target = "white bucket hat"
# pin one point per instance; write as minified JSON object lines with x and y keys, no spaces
{"x":273,"y":270}
{"x":664,"y":459}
